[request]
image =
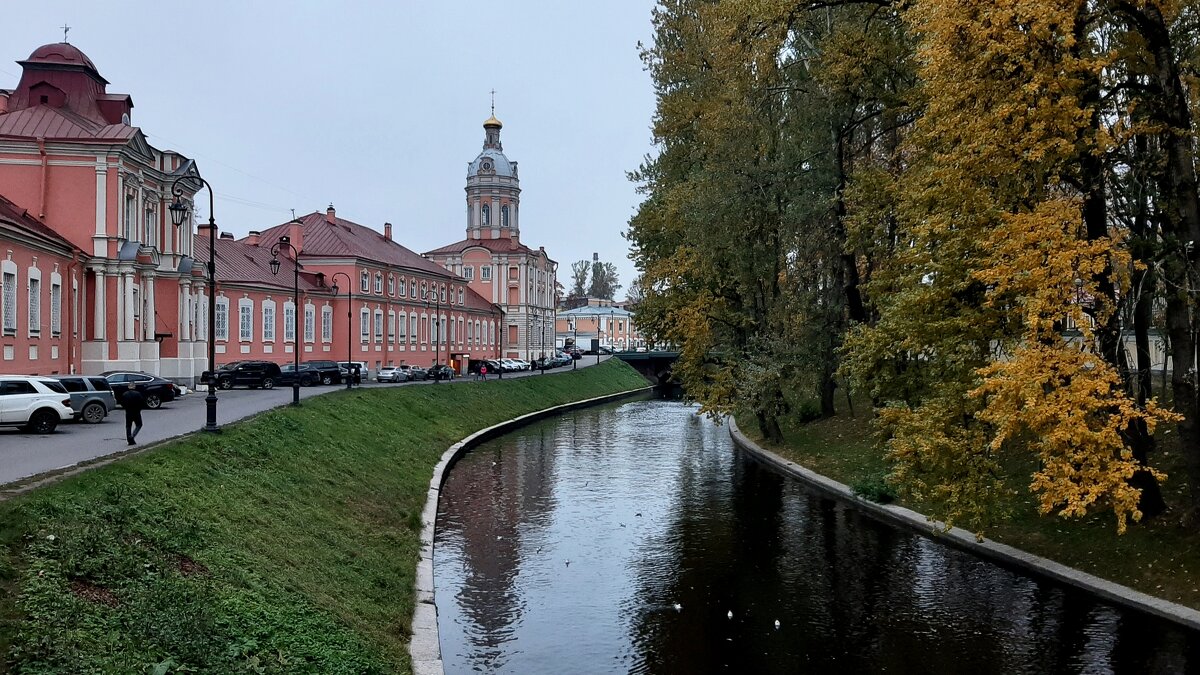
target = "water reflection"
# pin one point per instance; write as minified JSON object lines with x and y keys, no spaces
{"x":565,"y":548}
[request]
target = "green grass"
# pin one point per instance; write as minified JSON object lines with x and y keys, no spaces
{"x":1159,"y":556}
{"x":288,"y":543}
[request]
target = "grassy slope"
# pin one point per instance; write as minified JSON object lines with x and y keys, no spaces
{"x":1157,"y":557}
{"x":286,"y":544}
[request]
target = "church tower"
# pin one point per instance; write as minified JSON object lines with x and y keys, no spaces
{"x":493,"y":190}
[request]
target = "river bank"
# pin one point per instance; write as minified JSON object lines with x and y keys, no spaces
{"x":288,"y":543}
{"x":1157,"y":557}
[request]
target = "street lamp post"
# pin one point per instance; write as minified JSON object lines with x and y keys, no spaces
{"x":349,"y":322}
{"x":437,"y":322}
{"x":575,"y":327}
{"x":179,"y":212}
{"x":285,"y":242}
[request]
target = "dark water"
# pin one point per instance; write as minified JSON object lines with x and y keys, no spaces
{"x":653,"y":507}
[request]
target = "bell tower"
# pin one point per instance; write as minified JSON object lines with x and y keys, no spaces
{"x":493,"y":189}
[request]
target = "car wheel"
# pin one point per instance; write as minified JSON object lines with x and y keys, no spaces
{"x":225,"y":383}
{"x":268,"y":383}
{"x":42,"y":422}
{"x":326,"y":379}
{"x":93,"y":413}
{"x":153,"y":401}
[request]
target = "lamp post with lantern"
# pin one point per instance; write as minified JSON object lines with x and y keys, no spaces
{"x":349,"y":321}
{"x":285,"y":242}
{"x":179,"y":213}
{"x":437,"y":337}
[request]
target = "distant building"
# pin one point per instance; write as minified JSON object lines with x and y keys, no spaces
{"x":600,"y":319}
{"x":492,"y":259}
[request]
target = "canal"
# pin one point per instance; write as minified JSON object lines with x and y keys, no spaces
{"x":634,"y":538}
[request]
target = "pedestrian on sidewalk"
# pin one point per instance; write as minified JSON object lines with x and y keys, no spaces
{"x":134,"y":403}
{"x":483,"y":371}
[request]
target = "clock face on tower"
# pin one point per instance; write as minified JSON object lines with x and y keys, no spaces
{"x":486,"y":165}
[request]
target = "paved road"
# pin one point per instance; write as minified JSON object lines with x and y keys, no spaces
{"x":23,"y":454}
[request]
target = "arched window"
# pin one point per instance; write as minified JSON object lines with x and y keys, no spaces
{"x":486,"y":215}
{"x":403,"y":287}
{"x":366,"y":282}
{"x":504,"y":216}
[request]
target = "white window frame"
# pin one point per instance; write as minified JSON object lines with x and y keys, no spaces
{"x":268,"y":321}
{"x":327,"y":324}
{"x":402,"y":328}
{"x":414,"y":327}
{"x":8,"y":297}
{"x":34,"y":284}
{"x":378,"y":287}
{"x":365,"y":281}
{"x":310,"y":323}
{"x":403,"y":290}
{"x":289,"y":321}
{"x":364,"y":325}
{"x":377,"y":326}
{"x":221,"y":330}
{"x":485,"y":273}
{"x":392,"y":285}
{"x":55,"y":304}
{"x":468,"y":272}
{"x":391,"y":334}
{"x":245,"y":320}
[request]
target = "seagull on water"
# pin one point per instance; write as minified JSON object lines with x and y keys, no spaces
{"x":678,"y":607}
{"x":776,"y":624}
{"x":730,"y":614}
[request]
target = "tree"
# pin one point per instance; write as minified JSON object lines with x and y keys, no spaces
{"x":604,"y":281}
{"x":579,"y":278}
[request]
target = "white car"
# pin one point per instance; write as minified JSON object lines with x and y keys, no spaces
{"x":522,"y":364}
{"x":391,"y":374}
{"x":36,"y":403}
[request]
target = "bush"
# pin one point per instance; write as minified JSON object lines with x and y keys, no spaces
{"x":875,"y":488}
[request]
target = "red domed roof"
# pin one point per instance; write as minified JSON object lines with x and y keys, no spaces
{"x":61,"y":53}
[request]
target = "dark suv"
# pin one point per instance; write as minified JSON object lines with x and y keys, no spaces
{"x":91,"y":396}
{"x":330,"y":371}
{"x":253,"y":374}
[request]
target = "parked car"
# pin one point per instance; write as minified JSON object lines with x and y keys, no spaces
{"x":440,"y":372}
{"x":510,"y":365}
{"x":522,"y":364}
{"x":253,"y":374}
{"x":364,"y":370}
{"x":156,"y":389}
{"x":562,"y":359}
{"x":414,"y":372}
{"x":330,"y":371}
{"x":308,"y":375}
{"x":92,"y":396}
{"x":37,"y":404}
{"x":392,"y":374}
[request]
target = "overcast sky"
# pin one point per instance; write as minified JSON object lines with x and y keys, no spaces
{"x":377,"y":107}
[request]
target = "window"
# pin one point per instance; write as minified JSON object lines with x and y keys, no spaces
{"x":289,"y":321}
{"x":443,"y":294}
{"x":222,"y":319}
{"x":470,"y":332}
{"x":460,"y":296}
{"x":151,"y":224}
{"x":424,"y":291}
{"x":391,"y":285}
{"x":326,"y":324}
{"x":468,"y":273}
{"x":403,"y":288}
{"x":55,"y":306}
{"x":486,"y":218}
{"x":412,"y":333}
{"x":452,"y":331}
{"x":310,"y":323}
{"x":378,"y":282}
{"x":433,"y":329}
{"x":130,"y":214}
{"x":379,"y":325}
{"x":245,"y":323}
{"x":514,"y":273}
{"x":365,"y":281}
{"x":413,"y":288}
{"x":364,"y":325}
{"x":391,"y":326}
{"x":403,"y":335}
{"x":504,"y":216}
{"x":35,"y":302}
{"x":268,"y":313}
{"x":485,"y":273}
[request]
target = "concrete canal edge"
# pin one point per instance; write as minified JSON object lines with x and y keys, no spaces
{"x":425,"y":646}
{"x":959,"y":538}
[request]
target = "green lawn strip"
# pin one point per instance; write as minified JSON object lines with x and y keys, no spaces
{"x":1157,"y":557}
{"x":288,"y":543}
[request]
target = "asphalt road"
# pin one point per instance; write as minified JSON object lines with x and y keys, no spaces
{"x":23,"y":454}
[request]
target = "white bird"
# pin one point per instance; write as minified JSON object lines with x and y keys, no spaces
{"x":568,"y":563}
{"x":776,"y":624}
{"x":730,"y":614}
{"x":678,"y":607}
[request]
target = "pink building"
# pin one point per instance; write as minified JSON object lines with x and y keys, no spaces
{"x":496,"y":265}
{"x":70,"y":157}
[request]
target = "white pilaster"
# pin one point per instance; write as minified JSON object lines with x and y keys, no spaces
{"x":101,"y":290}
{"x":127,"y":329}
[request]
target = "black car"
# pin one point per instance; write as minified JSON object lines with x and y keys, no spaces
{"x":440,"y":372}
{"x":253,"y":374}
{"x":307,"y":375}
{"x":156,"y":390}
{"x":330,"y":371}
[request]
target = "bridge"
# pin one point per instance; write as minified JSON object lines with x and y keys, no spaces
{"x":654,"y":366}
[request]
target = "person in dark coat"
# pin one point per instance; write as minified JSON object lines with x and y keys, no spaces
{"x":134,"y":403}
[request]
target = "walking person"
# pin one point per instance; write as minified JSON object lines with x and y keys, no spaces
{"x":483,"y":371}
{"x":134,"y":403}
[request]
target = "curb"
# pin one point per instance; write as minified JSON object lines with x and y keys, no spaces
{"x":425,"y":646}
{"x":961,"y":539}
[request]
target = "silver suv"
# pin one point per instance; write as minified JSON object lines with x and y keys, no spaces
{"x":36,"y":403}
{"x":92,"y":396}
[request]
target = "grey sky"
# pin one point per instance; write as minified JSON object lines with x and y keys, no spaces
{"x":377,"y":106}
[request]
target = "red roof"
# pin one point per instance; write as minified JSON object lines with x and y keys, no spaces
{"x":501,"y":245}
{"x":344,"y":238}
{"x":62,"y":53}
{"x":238,"y":262}
{"x":61,"y":123}
{"x":23,"y":220}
